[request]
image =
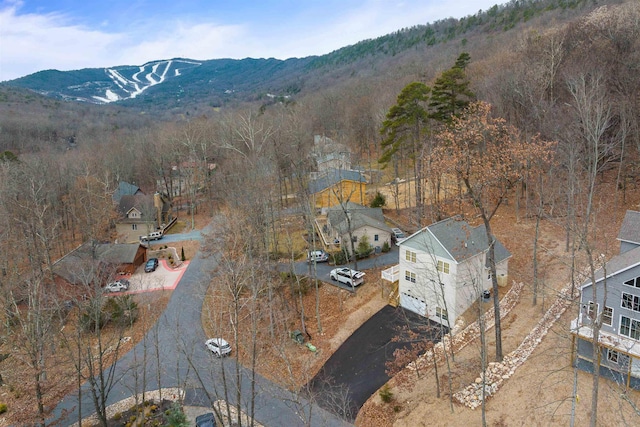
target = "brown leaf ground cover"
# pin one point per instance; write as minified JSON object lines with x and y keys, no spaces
{"x":540,"y":392}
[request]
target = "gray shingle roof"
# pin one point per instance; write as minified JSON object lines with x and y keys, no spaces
{"x":334,"y":176}
{"x":617,"y":264}
{"x":459,"y":239}
{"x":82,"y":261}
{"x":360,"y":217}
{"x":125,"y":189}
{"x":142,"y":202}
{"x":630,"y":228}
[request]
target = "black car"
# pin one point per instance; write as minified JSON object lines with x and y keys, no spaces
{"x":151,"y":265}
{"x":206,"y":420}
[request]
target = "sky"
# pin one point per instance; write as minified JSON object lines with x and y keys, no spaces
{"x":66,"y":35}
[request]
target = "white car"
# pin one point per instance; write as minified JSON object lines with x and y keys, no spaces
{"x":117,"y":286}
{"x":347,"y":276}
{"x":317,"y":256}
{"x":218,"y":346}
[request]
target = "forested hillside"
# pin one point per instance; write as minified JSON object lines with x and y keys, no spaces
{"x":549,"y":101}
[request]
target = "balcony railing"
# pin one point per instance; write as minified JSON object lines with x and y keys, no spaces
{"x":391,"y":274}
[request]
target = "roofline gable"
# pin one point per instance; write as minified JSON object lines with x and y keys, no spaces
{"x":618,"y":271}
{"x":133,"y":208}
{"x":427,"y":249}
{"x":443,"y":246}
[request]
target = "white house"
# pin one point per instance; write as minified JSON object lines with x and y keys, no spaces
{"x":358,"y":221}
{"x":443,"y":269}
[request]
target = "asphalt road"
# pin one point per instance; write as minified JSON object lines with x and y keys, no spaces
{"x":357,"y":369}
{"x":323,"y":269}
{"x":184,"y":362}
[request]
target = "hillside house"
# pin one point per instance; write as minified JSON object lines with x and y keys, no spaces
{"x":125,"y":189}
{"x":101,"y":261}
{"x":614,"y":301}
{"x":328,"y":154}
{"x":443,"y":269}
{"x":362,"y":221}
{"x":140,"y":215}
{"x":337,"y":186}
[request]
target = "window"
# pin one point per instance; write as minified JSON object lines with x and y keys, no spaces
{"x":134,"y":226}
{"x":633,"y":282}
{"x":410,"y":256}
{"x":632,"y":302}
{"x":443,"y":267}
{"x":607,"y":316}
{"x":630,"y":327}
{"x":612,"y":356}
{"x":441,"y":313}
{"x":592,"y":310}
{"x":375,"y":238}
{"x":410,"y":276}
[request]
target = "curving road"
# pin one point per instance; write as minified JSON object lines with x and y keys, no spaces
{"x":184,"y":362}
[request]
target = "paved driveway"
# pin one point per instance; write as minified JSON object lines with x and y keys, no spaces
{"x":357,"y":368}
{"x":182,"y":361}
{"x":164,"y":277}
{"x":323,"y":269}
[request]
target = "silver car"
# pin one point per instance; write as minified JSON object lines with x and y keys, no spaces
{"x":117,"y":286}
{"x":218,"y":346}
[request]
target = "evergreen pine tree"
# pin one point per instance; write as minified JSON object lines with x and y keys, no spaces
{"x":451,"y":93}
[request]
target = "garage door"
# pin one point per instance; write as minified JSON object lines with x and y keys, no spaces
{"x":414,"y":304}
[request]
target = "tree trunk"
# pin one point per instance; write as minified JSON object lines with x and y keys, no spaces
{"x":494,"y":281}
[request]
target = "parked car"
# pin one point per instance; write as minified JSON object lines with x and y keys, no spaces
{"x":151,"y":265}
{"x":206,"y":420}
{"x":398,"y":236}
{"x":347,"y":276}
{"x":154,"y":235}
{"x":317,"y":256}
{"x":117,"y":286}
{"x":218,"y":346}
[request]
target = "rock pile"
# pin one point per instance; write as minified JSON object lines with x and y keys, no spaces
{"x":470,"y":333}
{"x":496,"y":373}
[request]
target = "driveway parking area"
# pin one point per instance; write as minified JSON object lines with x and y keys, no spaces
{"x":163,"y":278}
{"x":357,"y":368}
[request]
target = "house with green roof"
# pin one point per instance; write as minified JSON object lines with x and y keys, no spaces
{"x":125,"y":189}
{"x":443,"y":269}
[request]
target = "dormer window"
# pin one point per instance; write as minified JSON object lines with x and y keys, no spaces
{"x":633,"y":282}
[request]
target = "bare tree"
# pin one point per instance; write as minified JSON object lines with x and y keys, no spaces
{"x":489,"y":158}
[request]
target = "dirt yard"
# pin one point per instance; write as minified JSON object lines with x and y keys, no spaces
{"x":539,"y":393}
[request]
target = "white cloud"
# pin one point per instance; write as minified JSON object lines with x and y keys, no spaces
{"x":182,"y":39}
{"x":33,"y":42}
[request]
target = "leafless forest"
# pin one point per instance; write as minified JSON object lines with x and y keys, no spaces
{"x":565,"y":87}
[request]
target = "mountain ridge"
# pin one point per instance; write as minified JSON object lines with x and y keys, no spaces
{"x":216,"y":82}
